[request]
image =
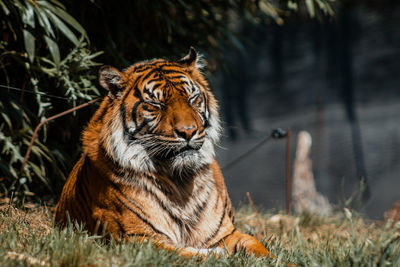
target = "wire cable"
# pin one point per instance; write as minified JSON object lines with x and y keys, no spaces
{"x":32,"y":92}
{"x":277,"y":133}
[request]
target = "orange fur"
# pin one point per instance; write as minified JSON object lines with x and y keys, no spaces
{"x":148,"y":168}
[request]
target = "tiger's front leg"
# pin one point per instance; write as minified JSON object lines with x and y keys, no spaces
{"x":237,"y":241}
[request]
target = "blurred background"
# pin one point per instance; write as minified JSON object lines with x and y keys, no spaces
{"x":328,"y":67}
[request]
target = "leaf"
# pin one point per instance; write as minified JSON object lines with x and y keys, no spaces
{"x":310,"y":7}
{"x":40,"y":150}
{"x":44,"y":22}
{"x":63,"y":28}
{"x":47,"y":61}
{"x":7,"y":120}
{"x":325,"y":7}
{"x":292,"y":5}
{"x":28,"y":15}
{"x":95,"y":55}
{"x":64,"y":16}
{"x":54,"y":50}
{"x":36,"y":169}
{"x":29,"y":42}
{"x":58,"y":3}
{"x":4,"y":7}
{"x":270,"y":10}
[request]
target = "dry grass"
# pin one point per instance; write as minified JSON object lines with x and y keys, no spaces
{"x":28,"y":238}
{"x":37,"y":220}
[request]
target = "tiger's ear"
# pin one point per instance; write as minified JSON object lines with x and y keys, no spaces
{"x":191,"y":59}
{"x":111,"y":79}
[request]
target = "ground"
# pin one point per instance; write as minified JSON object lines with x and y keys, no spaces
{"x":28,"y":237}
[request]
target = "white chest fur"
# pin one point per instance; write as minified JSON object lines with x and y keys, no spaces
{"x":185,"y":223}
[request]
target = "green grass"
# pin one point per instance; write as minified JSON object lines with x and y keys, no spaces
{"x":29,"y":238}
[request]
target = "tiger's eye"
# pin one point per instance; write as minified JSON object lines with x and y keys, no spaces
{"x":157,"y":105}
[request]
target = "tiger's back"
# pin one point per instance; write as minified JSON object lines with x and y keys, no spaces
{"x":148,"y":166}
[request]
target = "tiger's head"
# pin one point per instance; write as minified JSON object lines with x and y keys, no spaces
{"x":162,"y":114}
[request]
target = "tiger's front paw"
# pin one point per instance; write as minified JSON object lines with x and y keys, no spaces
{"x":204,"y":252}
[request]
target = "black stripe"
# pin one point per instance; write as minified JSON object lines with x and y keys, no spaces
{"x":230,"y":213}
{"x":148,"y":64}
{"x":172,"y":64}
{"x":134,"y":109}
{"x":162,"y":63}
{"x":155,"y":124}
{"x":147,"y":91}
{"x":158,"y":79}
{"x":137,"y":93}
{"x":87,"y":174}
{"x":141,"y":67}
{"x":178,"y":77}
{"x":177,"y":220}
{"x":219,"y":224}
{"x":231,"y":233}
{"x":199,"y":208}
{"x":149,"y":107}
{"x":234,"y":230}
{"x":196,"y":85}
{"x":81,"y":213}
{"x":206,"y":121}
{"x":192,"y":98}
{"x":121,"y":228}
{"x":235,"y":248}
{"x":151,"y":72}
{"x":116,"y":188}
{"x":83,"y":189}
{"x":139,"y":216}
{"x":81,"y":208}
{"x":122,"y":109}
{"x":200,"y":101}
{"x":157,"y":85}
{"x":202,"y":206}
{"x":154,"y":182}
{"x":139,"y":127}
{"x":167,"y":71}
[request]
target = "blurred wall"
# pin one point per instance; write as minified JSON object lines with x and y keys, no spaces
{"x":338,"y":79}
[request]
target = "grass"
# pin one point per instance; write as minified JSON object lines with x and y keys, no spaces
{"x":29,"y":238}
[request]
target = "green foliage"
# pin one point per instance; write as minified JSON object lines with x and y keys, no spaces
{"x":43,"y":49}
{"x":30,"y":238}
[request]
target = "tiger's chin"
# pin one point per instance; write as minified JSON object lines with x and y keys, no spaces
{"x":188,"y":159}
{"x":135,"y":157}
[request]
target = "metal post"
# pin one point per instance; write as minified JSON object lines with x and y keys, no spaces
{"x":288,"y":172}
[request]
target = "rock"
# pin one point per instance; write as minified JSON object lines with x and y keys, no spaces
{"x":392,"y":215}
{"x":304,"y":194}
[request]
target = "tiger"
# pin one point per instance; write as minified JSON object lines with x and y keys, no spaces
{"x":148,"y":171}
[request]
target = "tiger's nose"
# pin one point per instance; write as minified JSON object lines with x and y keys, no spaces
{"x":186,"y":132}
